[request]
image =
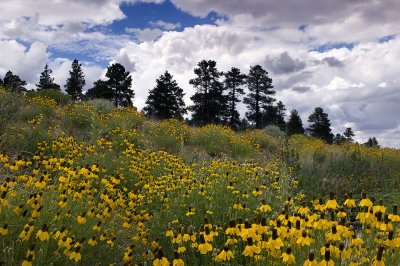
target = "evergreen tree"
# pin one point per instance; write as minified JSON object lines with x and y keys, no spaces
{"x":349,"y":134}
{"x":372,"y":142}
{"x":75,"y":82}
{"x":294,"y":124}
{"x":166,"y":99}
{"x":279,"y":119}
{"x":320,"y":126}
{"x":46,"y":81}
{"x":101,"y":90}
{"x":120,"y":81}
{"x":13,"y":83}
{"x":233,"y":82}
{"x":260,"y":87}
{"x":339,"y":138}
{"x":209,"y":103}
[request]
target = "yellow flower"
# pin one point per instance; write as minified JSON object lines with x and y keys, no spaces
{"x":331,"y":203}
{"x":225,"y":255}
{"x":204,"y":248}
{"x":311,"y":260}
{"x":177,"y":261}
{"x":42,"y":235}
{"x":161,"y":262}
{"x":75,"y":255}
{"x":4,"y":230}
{"x":288,"y":257}
{"x":81,"y":219}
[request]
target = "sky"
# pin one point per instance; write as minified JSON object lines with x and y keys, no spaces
{"x":340,"y":55}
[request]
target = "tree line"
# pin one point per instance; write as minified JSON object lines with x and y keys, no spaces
{"x":214,"y":102}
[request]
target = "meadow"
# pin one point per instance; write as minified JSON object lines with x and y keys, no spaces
{"x":90,"y":184}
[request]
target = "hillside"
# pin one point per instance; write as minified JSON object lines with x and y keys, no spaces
{"x":91,"y":184}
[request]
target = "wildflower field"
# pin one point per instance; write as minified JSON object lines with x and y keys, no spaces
{"x":89,"y":184}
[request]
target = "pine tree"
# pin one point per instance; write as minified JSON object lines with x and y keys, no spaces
{"x":320,"y":126}
{"x":75,"y":82}
{"x":349,"y":134}
{"x":233,"y":82}
{"x":100,"y":90}
{"x":372,"y":142}
{"x":260,"y":87}
{"x":338,"y":139}
{"x":13,"y":83}
{"x":46,"y":81}
{"x":294,"y":124}
{"x":209,"y":103}
{"x":120,"y":81}
{"x":166,"y":99}
{"x":275,"y":115}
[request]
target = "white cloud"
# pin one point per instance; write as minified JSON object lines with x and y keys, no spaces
{"x":22,"y":60}
{"x":165,"y":25}
{"x":145,"y":35}
{"x":62,"y":11}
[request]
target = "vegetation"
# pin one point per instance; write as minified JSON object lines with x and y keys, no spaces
{"x":75,"y":82}
{"x":88,"y":183}
{"x":166,"y":99}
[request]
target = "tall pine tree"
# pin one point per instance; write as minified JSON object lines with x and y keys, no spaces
{"x":209,"y":102}
{"x":234,"y":80}
{"x":260,"y":87}
{"x":294,"y":124}
{"x":13,"y":83}
{"x":100,"y":90}
{"x":46,"y":81}
{"x":75,"y":82}
{"x":349,"y":134}
{"x":166,"y":99}
{"x":320,"y":125}
{"x":120,"y":81}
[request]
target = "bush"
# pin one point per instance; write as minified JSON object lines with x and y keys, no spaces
{"x":10,"y":104}
{"x":124,"y":118}
{"x":169,"y":134}
{"x":274,"y":131}
{"x":213,"y":139}
{"x":102,"y":105}
{"x":82,"y":121}
{"x":58,"y":96}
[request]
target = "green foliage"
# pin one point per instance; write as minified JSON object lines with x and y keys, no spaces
{"x":125,"y":118}
{"x":10,"y":104}
{"x":81,"y":120}
{"x":294,"y":124}
{"x":60,"y":97}
{"x":209,"y":103}
{"x":320,"y":125}
{"x":213,"y":139}
{"x":166,"y":99}
{"x":274,"y":131}
{"x":76,"y":81}
{"x":46,"y":81}
{"x":103,"y":106}
{"x":260,"y":87}
{"x":234,"y":80}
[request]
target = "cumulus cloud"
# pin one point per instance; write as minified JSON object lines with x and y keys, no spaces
{"x":165,"y":25}
{"x":144,"y":35}
{"x":61,"y":11}
{"x":284,"y":64}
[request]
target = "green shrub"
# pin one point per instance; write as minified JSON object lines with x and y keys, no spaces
{"x":10,"y":104}
{"x":60,"y":97}
{"x":124,"y":118}
{"x":102,"y":105}
{"x":215,"y":140}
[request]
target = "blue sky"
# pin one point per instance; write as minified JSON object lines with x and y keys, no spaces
{"x":339,"y":55}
